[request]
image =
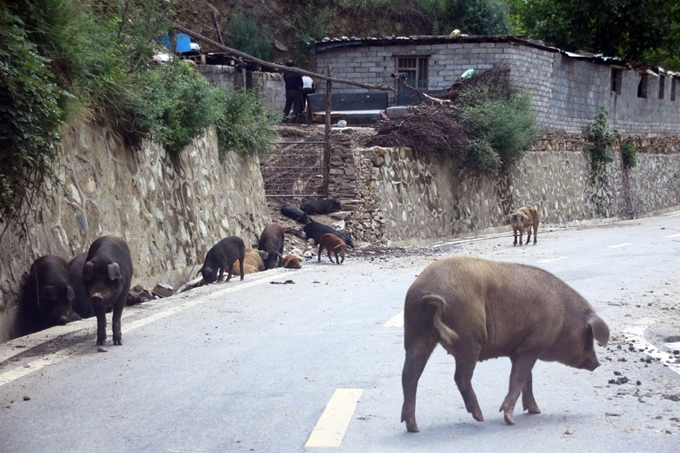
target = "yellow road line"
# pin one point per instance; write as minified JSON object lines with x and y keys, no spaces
{"x":331,"y":427}
{"x":396,"y":321}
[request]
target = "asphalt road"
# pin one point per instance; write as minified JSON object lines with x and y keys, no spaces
{"x":315,"y":365}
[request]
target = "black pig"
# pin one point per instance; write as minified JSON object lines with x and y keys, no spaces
{"x":295,"y":213}
{"x":48,"y":297}
{"x":320,"y":206}
{"x":314,"y":230}
{"x":271,"y":241}
{"x":222,"y":256}
{"x":107,"y":275}
{"x":81,"y":304}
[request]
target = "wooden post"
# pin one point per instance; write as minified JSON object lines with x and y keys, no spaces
{"x":327,"y":130}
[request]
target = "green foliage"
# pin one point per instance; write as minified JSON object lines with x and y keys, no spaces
{"x":30,"y":118}
{"x":244,"y":125}
{"x":632,"y":29}
{"x":480,"y":156}
{"x":250,"y":36}
{"x":600,"y":139}
{"x":477,"y":17}
{"x":177,"y":104}
{"x":503,"y":125}
{"x":629,"y":154}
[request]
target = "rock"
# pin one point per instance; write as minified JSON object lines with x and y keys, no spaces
{"x":163,"y":290}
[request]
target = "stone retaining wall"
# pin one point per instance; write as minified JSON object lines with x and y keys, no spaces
{"x":397,"y":197}
{"x":169,"y":211}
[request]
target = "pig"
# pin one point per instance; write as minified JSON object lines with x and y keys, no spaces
{"x":295,"y":213}
{"x":81,"y":303}
{"x":522,"y":220}
{"x":479,"y":309}
{"x":334,"y":244}
{"x":253,"y":261}
{"x":107,"y":275}
{"x":48,"y":295}
{"x":271,"y":241}
{"x":291,"y":262}
{"x":320,"y":206}
{"x":314,"y":230}
{"x":222,"y":256}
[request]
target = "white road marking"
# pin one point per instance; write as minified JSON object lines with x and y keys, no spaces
{"x":552,"y":260}
{"x":637,"y":332}
{"x":673,"y":236}
{"x":58,"y":356}
{"x":396,"y":321}
{"x":620,"y":245}
{"x":332,"y":425}
{"x":672,"y":214}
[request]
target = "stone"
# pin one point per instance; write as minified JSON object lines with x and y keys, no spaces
{"x":163,"y":290}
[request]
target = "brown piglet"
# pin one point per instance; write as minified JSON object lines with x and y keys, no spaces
{"x":334,"y":244}
{"x":523,"y":220}
{"x":479,"y":309}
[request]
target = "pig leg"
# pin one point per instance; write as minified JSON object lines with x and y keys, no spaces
{"x":115,"y":322}
{"x":535,"y":232}
{"x":319,"y":252}
{"x":240,"y":262}
{"x":521,"y":371}
{"x":528,"y":401}
{"x":465,"y":367}
{"x":417,"y":354}
{"x":100,"y":311}
{"x":231,"y":270}
{"x":330,"y":257}
{"x":514,"y":234}
{"x":528,"y":235}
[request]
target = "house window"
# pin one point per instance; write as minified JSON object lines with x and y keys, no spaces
{"x":413,"y":71}
{"x":642,"y":86}
{"x":617,"y":79}
{"x":673,"y":89}
{"x":662,"y":86}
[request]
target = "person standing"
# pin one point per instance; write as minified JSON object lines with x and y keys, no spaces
{"x":308,"y":87}
{"x":293,"y":82}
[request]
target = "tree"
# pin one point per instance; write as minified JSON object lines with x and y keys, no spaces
{"x":632,"y":29}
{"x":476,"y":17}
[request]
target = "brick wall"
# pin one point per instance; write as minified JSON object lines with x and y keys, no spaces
{"x":566,"y":92}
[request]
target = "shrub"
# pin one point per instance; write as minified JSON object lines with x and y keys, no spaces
{"x":30,"y":120}
{"x":600,"y":139}
{"x":244,"y":125}
{"x":629,"y":154}
{"x":250,"y":36}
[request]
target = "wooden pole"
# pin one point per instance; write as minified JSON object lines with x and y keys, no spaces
{"x":267,"y":64}
{"x":327,"y":130}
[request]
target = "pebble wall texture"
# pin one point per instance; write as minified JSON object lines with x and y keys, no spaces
{"x":170,"y":211}
{"x":399,"y":198}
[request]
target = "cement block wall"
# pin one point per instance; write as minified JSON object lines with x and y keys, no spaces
{"x":400,"y":198}
{"x":566,"y":92}
{"x":169,"y":211}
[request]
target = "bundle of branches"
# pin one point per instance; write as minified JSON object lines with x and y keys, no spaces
{"x":480,"y":122}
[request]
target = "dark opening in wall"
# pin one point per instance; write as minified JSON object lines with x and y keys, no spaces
{"x":616,"y":80}
{"x":673,"y":83}
{"x":642,"y":86}
{"x":662,"y":86}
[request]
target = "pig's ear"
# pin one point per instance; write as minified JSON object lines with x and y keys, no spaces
{"x":114,"y":272}
{"x":48,"y":293}
{"x":599,"y":328}
{"x":264,"y":255}
{"x":88,"y":271}
{"x":70,"y":295}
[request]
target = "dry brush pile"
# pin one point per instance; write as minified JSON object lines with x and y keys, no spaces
{"x":482,"y":122}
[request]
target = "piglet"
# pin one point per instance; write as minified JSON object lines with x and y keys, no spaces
{"x":107,"y":275}
{"x":333,"y":244}
{"x":479,"y":309}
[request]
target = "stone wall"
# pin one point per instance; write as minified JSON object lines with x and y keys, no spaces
{"x":566,"y":92}
{"x":400,"y":198}
{"x":170,"y":211}
{"x":268,"y":86}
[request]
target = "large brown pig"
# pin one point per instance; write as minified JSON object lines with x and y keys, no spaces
{"x":479,"y":309}
{"x":107,"y":275}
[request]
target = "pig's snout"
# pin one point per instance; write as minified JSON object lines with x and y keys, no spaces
{"x":589,"y":364}
{"x":97,"y":299}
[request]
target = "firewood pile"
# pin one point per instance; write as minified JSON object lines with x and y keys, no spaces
{"x":436,"y":126}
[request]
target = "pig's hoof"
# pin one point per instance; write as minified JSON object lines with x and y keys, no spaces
{"x":101,"y":341}
{"x":509,"y":419}
{"x":532,"y":409}
{"x":477,"y":415}
{"x":412,"y":427}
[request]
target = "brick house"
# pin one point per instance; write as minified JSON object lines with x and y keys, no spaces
{"x":567,"y":89}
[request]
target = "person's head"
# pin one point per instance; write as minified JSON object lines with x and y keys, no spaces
{"x":290,"y":63}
